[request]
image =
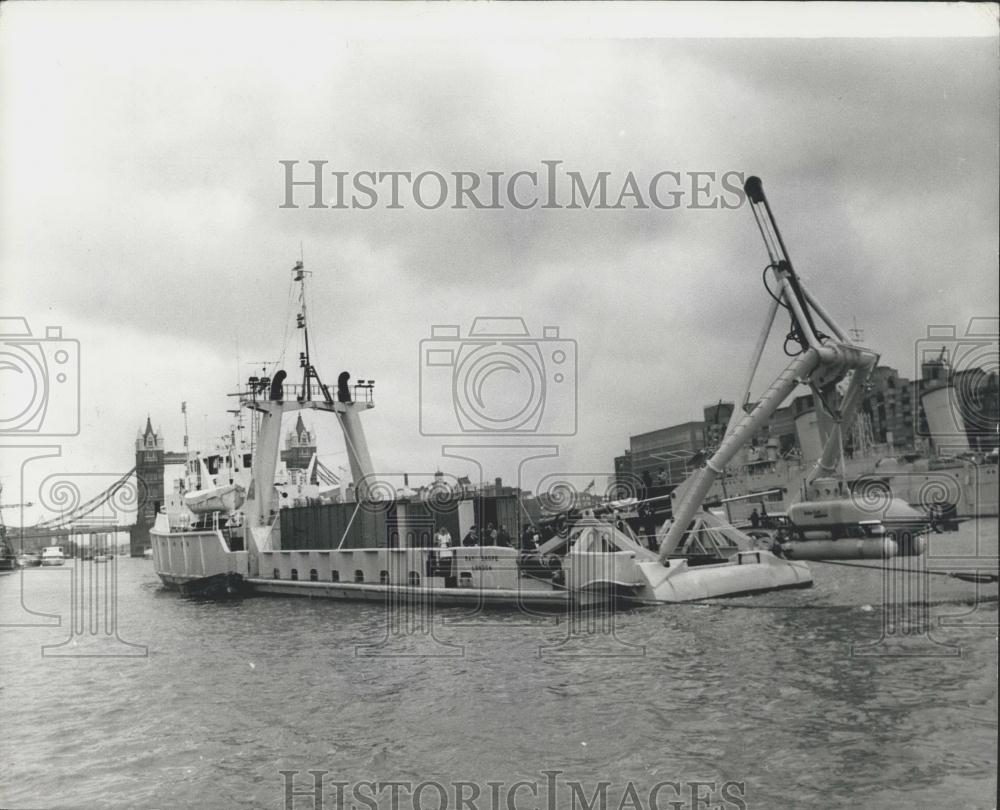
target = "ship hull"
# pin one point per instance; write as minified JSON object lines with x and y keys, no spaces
{"x":749,"y":572}
{"x":229,"y":585}
{"x":194,"y":563}
{"x":200,"y":564}
{"x":441,"y":597}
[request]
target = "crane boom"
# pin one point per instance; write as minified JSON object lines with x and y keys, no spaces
{"x":821,"y":362}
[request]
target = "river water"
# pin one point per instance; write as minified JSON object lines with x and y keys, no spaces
{"x":871,"y":689}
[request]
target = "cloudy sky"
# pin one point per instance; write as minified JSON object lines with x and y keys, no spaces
{"x":142,"y":190}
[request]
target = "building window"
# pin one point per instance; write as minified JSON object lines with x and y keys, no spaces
{"x":383,"y":577}
{"x":335,"y":576}
{"x":313,"y":575}
{"x":277,"y":574}
{"x":295,"y":573}
{"x":414,"y":578}
{"x":359,"y":575}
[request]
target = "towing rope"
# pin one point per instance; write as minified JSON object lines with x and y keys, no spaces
{"x":962,"y":575}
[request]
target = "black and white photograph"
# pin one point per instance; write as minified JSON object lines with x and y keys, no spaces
{"x":499,"y":406}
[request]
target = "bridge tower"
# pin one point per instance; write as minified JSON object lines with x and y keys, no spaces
{"x":149,"y":461}
{"x":300,"y":444}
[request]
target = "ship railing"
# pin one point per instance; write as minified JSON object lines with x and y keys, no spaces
{"x":260,"y":389}
{"x":214,"y":521}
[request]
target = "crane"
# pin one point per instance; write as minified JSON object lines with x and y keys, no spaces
{"x":818,"y":359}
{"x":13,"y":505}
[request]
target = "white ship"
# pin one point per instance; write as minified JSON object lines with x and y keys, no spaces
{"x":244,"y":550}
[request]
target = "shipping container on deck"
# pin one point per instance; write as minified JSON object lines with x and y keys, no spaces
{"x":394,"y":523}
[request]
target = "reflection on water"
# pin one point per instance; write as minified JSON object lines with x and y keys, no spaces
{"x":761,"y":690}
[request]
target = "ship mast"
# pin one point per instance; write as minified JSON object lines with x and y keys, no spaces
{"x":265,"y":396}
{"x":309,"y":372}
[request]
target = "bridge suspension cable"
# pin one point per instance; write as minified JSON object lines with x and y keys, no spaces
{"x":86,"y":508}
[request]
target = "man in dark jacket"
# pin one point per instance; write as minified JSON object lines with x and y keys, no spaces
{"x":503,"y":536}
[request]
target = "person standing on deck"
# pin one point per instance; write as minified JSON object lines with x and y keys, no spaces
{"x":442,"y":539}
{"x":502,"y":536}
{"x":443,"y":555}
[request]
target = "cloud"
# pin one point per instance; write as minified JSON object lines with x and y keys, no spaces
{"x":142,"y":187}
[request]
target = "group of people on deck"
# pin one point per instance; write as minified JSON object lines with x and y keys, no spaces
{"x":489,"y":536}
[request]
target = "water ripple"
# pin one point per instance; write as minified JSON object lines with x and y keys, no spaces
{"x":778,"y":691}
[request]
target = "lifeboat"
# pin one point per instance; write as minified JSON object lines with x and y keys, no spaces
{"x":226,"y":499}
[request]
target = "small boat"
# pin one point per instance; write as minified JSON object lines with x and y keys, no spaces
{"x":29,"y":559}
{"x":8,"y":559}
{"x":53,"y":555}
{"x":836,"y":525}
{"x":225,"y":498}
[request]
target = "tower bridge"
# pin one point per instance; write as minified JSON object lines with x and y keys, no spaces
{"x":145,"y":488}
{"x":151,"y":459}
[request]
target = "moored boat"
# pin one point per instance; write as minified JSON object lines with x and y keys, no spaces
{"x":29,"y":559}
{"x":8,"y":559}
{"x":53,"y":555}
